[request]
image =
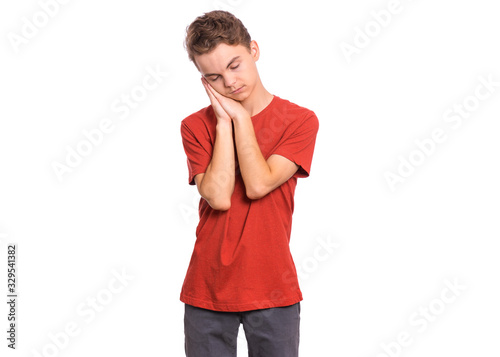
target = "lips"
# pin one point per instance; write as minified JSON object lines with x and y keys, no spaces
{"x":237,"y":90}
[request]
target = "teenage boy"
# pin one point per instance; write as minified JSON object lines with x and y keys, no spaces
{"x":244,"y":153}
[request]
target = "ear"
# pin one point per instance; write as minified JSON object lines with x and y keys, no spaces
{"x":254,"y":50}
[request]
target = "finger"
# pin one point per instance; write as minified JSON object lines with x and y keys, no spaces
{"x":215,"y":97}
{"x":212,"y":89}
{"x":216,"y":105}
{"x":207,"y":85}
{"x":207,"y":89}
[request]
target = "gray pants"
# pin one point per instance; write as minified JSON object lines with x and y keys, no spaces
{"x":270,"y":332}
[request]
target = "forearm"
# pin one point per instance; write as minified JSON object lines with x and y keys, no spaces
{"x":254,"y":169}
{"x":217,"y":184}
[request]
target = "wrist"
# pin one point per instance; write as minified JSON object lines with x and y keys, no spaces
{"x":224,"y":125}
{"x":241,"y":117}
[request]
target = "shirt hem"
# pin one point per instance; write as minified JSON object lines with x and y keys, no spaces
{"x":209,"y":305}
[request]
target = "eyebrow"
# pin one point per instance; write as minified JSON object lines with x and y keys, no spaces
{"x":229,"y":64}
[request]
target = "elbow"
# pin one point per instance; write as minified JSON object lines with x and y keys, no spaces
{"x":220,"y":205}
{"x":217,"y":201}
{"x":255,"y":193}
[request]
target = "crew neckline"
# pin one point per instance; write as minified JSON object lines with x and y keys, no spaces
{"x":271,"y":103}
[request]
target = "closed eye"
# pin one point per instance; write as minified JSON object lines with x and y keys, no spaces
{"x":217,"y":77}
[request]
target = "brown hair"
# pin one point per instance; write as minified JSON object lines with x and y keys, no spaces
{"x":211,"y":29}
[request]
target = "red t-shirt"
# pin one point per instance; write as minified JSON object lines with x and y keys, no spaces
{"x":241,"y":259}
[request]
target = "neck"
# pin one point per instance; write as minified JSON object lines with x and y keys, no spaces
{"x":257,"y":100}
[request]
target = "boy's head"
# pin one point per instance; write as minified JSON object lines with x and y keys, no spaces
{"x":222,"y":50}
{"x":213,"y":28}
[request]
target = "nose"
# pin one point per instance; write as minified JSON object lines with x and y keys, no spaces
{"x":229,"y":80}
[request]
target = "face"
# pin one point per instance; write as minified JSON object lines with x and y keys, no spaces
{"x":230,"y":70}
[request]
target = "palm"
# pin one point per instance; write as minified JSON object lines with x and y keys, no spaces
{"x":225,"y":108}
{"x":220,"y":113}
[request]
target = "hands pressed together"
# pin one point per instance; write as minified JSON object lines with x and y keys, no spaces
{"x":225,"y":108}
{"x":260,"y":176}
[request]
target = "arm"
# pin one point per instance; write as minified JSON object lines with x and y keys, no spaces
{"x":216,"y":184}
{"x":260,"y":176}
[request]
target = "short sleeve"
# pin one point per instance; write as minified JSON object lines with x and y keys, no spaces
{"x":298,"y":146}
{"x":198,"y":151}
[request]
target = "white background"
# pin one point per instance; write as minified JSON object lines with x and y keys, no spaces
{"x":127,"y":205}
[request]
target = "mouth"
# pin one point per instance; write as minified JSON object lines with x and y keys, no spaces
{"x":237,"y":91}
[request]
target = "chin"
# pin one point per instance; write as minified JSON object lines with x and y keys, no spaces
{"x":242,"y":96}
{"x":239,"y":98}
